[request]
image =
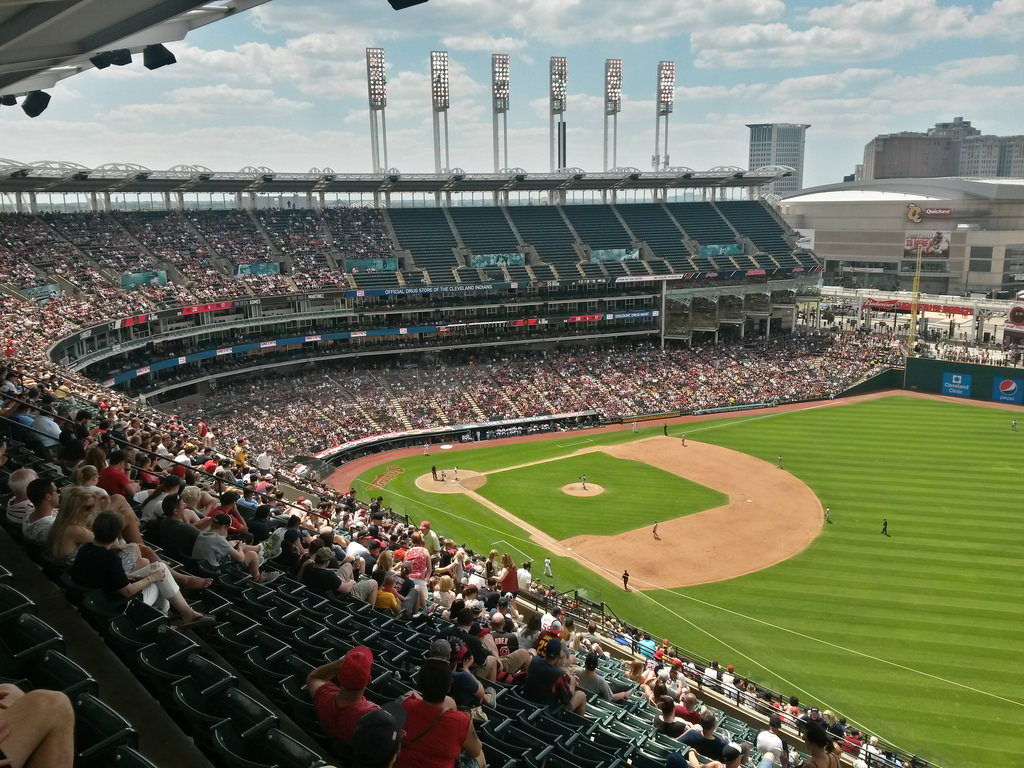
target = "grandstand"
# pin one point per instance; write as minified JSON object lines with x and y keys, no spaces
{"x":427,"y":344}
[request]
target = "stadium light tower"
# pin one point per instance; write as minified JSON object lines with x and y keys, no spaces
{"x":499,"y":100}
{"x":377,"y":90}
{"x":666,"y":97}
{"x":441,"y":98}
{"x":559,"y":80}
{"x":612,"y":107}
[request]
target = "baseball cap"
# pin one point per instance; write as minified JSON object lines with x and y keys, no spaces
{"x":424,"y":524}
{"x":354,"y":672}
{"x":553,"y":648}
{"x":378,"y":734}
{"x":812,"y":711}
{"x":222,"y":519}
{"x":731,"y":751}
{"x":659,"y":654}
{"x":440,"y":650}
{"x":323,"y":555}
{"x":730,"y":668}
{"x":459,"y":649}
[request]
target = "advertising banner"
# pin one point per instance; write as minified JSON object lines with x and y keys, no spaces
{"x":132,"y":280}
{"x":805,"y":239}
{"x":729,"y":249}
{"x":614,"y":254}
{"x":1008,"y":391}
{"x":890,"y":305}
{"x":371,"y":265}
{"x":956,"y":384}
{"x":41,"y":293}
{"x":933,"y":245}
{"x":262,"y":268}
{"x":497,"y":260}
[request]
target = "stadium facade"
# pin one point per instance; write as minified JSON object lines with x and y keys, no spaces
{"x":970,"y":233}
{"x":678,"y":255}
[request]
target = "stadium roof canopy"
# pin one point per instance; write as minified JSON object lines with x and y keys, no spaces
{"x":44,"y":41}
{"x":70,"y":178}
{"x":887,"y":190}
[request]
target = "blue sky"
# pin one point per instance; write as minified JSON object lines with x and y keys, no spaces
{"x":283,"y":85}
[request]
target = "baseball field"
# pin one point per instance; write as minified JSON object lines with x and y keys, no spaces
{"x":915,"y":636}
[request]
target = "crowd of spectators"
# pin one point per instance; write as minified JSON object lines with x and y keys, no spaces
{"x":232,"y":235}
{"x":338,"y":402}
{"x":359,"y":233}
{"x":136,"y":478}
{"x":299,"y":235}
{"x":102,"y":239}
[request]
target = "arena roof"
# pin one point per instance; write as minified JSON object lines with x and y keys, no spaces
{"x":881,"y":190}
{"x":70,"y":178}
{"x":44,"y":41}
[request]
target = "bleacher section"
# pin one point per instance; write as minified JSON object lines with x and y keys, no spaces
{"x":544,"y":228}
{"x":652,"y":224}
{"x":102,"y":240}
{"x":597,"y":226}
{"x":298,"y":235}
{"x":169,"y":237}
{"x":232,"y":235}
{"x":426,"y":234}
{"x":484,"y":229}
{"x":752,"y":219}
{"x":702,"y":222}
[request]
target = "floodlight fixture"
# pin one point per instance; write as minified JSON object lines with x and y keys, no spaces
{"x":612,"y":107}
{"x":500,"y":81}
{"x":666,"y":86}
{"x":612,"y":86}
{"x":156,"y":56}
{"x":559,"y":73}
{"x":376,"y":78}
{"x":440,"y":98}
{"x":664,"y":98}
{"x":35,"y":103}
{"x":559,"y":83}
{"x":100,"y":60}
{"x":500,"y":90}
{"x":439,"y":79}
{"x":121,"y":57}
{"x":377,"y":93}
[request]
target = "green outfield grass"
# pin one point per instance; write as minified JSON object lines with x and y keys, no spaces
{"x":916,"y":636}
{"x":634,"y":495}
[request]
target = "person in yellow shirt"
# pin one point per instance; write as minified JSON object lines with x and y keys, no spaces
{"x":240,"y":452}
{"x":387,"y":596}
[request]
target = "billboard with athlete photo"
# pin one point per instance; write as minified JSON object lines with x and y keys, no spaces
{"x":933,"y":244}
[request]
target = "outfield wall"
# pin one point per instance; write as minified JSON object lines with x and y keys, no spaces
{"x":968,"y":380}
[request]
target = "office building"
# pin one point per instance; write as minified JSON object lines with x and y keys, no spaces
{"x":779,"y":144}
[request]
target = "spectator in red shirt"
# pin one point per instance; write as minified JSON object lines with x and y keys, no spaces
{"x":114,"y":479}
{"x":237,"y":529}
{"x":338,"y":691}
{"x":436,"y":732}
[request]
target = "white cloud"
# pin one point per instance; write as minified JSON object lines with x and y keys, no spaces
{"x":853,"y":31}
{"x":484,"y":43}
{"x":968,"y":69}
{"x":208,"y":100}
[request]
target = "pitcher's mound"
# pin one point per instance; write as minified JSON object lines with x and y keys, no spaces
{"x":468,"y":481}
{"x":577,"y":489}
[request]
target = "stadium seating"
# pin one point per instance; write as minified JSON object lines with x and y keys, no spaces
{"x":426,"y":234}
{"x":544,"y":228}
